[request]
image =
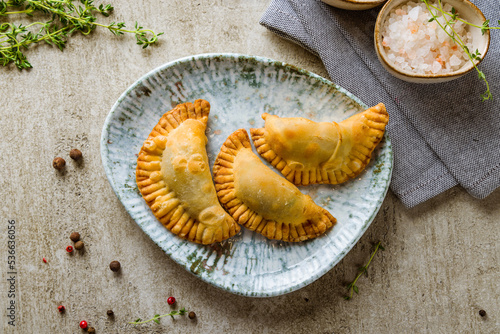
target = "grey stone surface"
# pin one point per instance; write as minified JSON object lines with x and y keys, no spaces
{"x":442,"y":258}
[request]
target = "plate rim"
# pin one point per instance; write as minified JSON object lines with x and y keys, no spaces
{"x":268,"y":61}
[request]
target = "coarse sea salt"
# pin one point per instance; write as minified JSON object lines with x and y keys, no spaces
{"x":414,"y":44}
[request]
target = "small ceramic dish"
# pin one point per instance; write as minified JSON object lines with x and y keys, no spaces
{"x":466,"y":10}
{"x":354,"y":4}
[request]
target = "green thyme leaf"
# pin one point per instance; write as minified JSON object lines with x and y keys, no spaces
{"x":352,"y":287}
{"x":485,"y":26}
{"x":156,"y":317}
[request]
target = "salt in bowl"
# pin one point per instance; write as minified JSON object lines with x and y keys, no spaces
{"x":466,"y":11}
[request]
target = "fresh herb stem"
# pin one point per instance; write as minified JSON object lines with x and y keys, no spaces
{"x":352,"y":287}
{"x":79,"y":19}
{"x":473,"y":57}
{"x":66,"y":18}
{"x":156,"y":318}
{"x":462,"y":20}
{"x":18,"y":12}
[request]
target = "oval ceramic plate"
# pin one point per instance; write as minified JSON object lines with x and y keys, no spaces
{"x":240,"y":88}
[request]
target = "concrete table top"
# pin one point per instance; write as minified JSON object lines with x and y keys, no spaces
{"x":440,"y":267}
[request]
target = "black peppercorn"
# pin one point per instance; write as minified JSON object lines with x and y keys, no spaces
{"x":192,"y":315}
{"x":58,"y":163}
{"x":91,"y":330}
{"x":114,"y":266}
{"x":110,"y":313}
{"x":482,"y":313}
{"x":79,"y":245}
{"x":75,"y":236}
{"x":75,"y":154}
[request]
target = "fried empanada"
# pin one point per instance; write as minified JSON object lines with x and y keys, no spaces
{"x":260,"y":199}
{"x":307,"y":152}
{"x":174,"y":177}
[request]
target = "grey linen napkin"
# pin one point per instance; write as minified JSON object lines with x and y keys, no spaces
{"x":442,"y":134}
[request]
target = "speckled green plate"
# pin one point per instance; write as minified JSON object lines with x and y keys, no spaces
{"x":240,"y":88}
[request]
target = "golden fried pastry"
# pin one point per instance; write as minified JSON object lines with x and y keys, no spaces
{"x":307,"y":152}
{"x":260,"y":199}
{"x":174,"y":178}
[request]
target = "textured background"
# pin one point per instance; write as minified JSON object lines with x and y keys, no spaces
{"x":442,"y":258}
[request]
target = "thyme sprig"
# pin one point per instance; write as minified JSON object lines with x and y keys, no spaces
{"x":352,"y":287}
{"x":157,"y":317}
{"x":474,"y":56}
{"x":65,"y":19}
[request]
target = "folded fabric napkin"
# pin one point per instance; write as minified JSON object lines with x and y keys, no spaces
{"x":442,"y":134}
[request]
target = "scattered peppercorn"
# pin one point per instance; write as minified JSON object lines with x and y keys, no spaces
{"x":75,"y":236}
{"x":83,"y":324}
{"x":192,"y":315}
{"x":171,"y":300}
{"x":75,"y":154}
{"x":79,"y":245}
{"x":61,"y":308}
{"x":91,"y":330}
{"x":114,"y":266}
{"x":110,"y":313}
{"x":482,"y":313}
{"x":58,"y":163}
{"x":69,"y":249}
{"x":44,"y":260}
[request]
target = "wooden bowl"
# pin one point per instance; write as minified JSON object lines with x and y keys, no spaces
{"x":354,"y":4}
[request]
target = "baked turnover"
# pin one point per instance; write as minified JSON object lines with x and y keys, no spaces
{"x":174,"y":178}
{"x":307,"y":152}
{"x":260,"y":199}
